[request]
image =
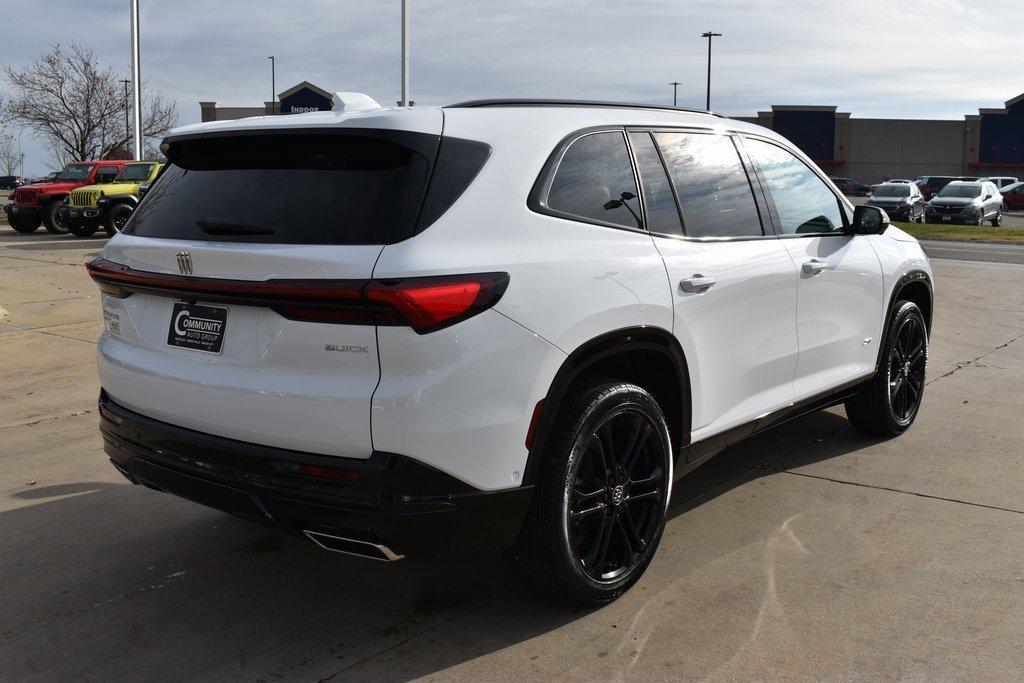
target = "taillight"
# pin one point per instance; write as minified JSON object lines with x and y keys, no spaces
{"x":431,"y":303}
{"x":424,"y":303}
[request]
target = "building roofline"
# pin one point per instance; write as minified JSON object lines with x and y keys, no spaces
{"x":803,"y":107}
{"x":307,"y":85}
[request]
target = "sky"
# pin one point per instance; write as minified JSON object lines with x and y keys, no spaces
{"x":874,"y":58}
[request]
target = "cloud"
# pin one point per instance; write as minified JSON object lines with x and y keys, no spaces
{"x":874,"y":58}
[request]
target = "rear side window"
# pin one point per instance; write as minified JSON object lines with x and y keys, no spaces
{"x":594,"y":181}
{"x":322,"y":188}
{"x":803,"y":202}
{"x":713,"y":189}
{"x":662,"y":212}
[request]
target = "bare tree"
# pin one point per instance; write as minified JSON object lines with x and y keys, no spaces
{"x":10,"y":159}
{"x":77,"y":106}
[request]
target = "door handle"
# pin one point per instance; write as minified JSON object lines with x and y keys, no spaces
{"x":814,"y":266}
{"x":696,"y":283}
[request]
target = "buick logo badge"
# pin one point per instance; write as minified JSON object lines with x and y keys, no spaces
{"x":185,"y":262}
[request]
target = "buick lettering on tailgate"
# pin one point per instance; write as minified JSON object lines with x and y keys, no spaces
{"x":197,"y":327}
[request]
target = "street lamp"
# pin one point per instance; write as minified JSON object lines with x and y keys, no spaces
{"x":404,"y":101}
{"x":136,"y":80}
{"x":127,"y":131}
{"x":273,"y":86}
{"x":709,"y":35}
{"x":675,"y":86}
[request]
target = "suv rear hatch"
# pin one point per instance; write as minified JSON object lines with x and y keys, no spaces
{"x":234,"y":299}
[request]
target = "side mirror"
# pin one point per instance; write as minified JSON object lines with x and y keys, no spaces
{"x":988,"y":196}
{"x":869,"y":220}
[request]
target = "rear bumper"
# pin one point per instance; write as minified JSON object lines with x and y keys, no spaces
{"x":387,"y":501}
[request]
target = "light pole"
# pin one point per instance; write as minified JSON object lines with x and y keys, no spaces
{"x":709,"y":35}
{"x":136,"y":81}
{"x":127,"y":131}
{"x":273,"y":84}
{"x":675,"y":86}
{"x":404,"y":101}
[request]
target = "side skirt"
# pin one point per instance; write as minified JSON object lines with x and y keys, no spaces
{"x":696,"y":454}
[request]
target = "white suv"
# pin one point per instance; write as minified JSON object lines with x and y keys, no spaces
{"x":493,"y":324}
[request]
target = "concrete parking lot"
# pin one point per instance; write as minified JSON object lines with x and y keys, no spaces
{"x":810,"y":552}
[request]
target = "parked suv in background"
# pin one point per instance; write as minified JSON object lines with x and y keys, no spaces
{"x":10,"y":182}
{"x":902,"y":201}
{"x":109,"y":204}
{"x":1013,"y":197}
{"x":1003,"y":181}
{"x":964,"y":201}
{"x":931,"y":184}
{"x":851,"y":187}
{"x":400,"y":331}
{"x":32,"y":205}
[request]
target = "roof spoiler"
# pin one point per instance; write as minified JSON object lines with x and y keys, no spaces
{"x":350,"y":102}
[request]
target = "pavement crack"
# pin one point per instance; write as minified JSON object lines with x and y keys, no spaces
{"x":892,"y":489}
{"x":64,"y":336}
{"x":49,"y":419}
{"x":960,"y":365}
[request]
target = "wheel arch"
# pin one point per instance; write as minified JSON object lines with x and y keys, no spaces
{"x":915,"y":286}
{"x":648,"y":356}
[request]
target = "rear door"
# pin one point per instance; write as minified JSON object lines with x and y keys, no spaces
{"x":274,"y":232}
{"x":840,"y":277}
{"x":734,"y":287}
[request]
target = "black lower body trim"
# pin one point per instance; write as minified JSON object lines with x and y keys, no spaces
{"x":387,"y":499}
{"x":696,"y":453}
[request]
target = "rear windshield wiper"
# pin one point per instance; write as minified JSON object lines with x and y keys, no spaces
{"x":218,"y":226}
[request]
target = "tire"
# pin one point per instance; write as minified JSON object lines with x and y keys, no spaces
{"x":998,"y":219}
{"x":116,"y":218}
{"x":52,"y":220}
{"x":82,"y":230}
{"x":889,"y":403}
{"x":589,"y":536}
{"x":981,"y":219}
{"x":23,"y":225}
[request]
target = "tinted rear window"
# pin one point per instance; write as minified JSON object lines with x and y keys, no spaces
{"x":322,"y":188}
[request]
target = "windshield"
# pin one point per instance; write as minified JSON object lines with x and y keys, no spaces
{"x":75,"y":172}
{"x":134,"y":172}
{"x":963,"y":191}
{"x":893,"y":191}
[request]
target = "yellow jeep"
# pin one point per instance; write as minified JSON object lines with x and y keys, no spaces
{"x":108,"y":204}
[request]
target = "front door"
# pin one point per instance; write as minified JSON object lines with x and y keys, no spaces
{"x":840,"y":289}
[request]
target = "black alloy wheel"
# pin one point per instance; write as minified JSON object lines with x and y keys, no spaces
{"x":54,"y":220}
{"x":601,"y":495}
{"x":24,"y":225}
{"x":888,"y":403}
{"x":117,"y":218}
{"x":906,"y":370}
{"x":617,"y":499}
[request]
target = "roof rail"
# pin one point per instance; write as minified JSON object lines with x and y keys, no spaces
{"x":533,"y":102}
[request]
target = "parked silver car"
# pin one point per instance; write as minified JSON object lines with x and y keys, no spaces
{"x":901,"y":200}
{"x":966,"y":202}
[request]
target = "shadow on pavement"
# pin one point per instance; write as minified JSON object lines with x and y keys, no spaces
{"x":131,"y":581}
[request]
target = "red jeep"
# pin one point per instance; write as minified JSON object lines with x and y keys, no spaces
{"x":32,"y":205}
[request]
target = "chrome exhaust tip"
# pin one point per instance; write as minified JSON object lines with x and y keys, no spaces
{"x":352,"y":546}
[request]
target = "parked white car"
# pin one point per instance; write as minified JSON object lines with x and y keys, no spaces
{"x":493,"y":324}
